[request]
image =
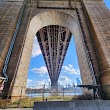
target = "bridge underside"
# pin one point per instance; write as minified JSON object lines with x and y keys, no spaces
{"x":54,"y":41}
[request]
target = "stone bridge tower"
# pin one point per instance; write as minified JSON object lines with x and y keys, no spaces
{"x":21,"y":20}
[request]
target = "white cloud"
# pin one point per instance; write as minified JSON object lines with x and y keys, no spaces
{"x":36,"y":51}
{"x":63,"y":80}
{"x":70,"y":69}
{"x":41,"y":70}
{"x":29,"y":81}
{"x":37,"y":84}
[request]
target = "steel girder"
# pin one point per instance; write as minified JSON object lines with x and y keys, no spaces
{"x":54,"y":41}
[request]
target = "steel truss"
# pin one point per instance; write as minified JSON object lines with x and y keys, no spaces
{"x":54,"y":41}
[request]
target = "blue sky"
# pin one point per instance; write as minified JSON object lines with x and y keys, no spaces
{"x":107,"y":3}
{"x":38,"y":75}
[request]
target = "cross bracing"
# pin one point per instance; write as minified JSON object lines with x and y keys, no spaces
{"x":54,"y":41}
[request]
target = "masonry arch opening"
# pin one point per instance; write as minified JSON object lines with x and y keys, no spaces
{"x":54,"y":43}
{"x":40,"y":21}
{"x":53,"y":21}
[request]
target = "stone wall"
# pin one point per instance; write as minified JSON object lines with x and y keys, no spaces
{"x":9,"y":13}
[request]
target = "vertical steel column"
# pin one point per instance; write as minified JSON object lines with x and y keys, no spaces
{"x":57,"y":39}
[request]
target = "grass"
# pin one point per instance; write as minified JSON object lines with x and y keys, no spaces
{"x":29,"y":102}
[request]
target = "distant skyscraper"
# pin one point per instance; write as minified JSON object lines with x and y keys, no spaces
{"x":73,"y":85}
{"x":49,"y":85}
{"x":78,"y":81}
{"x":58,"y":83}
{"x":69,"y":85}
{"x":66,"y":85}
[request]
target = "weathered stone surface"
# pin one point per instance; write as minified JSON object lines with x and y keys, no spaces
{"x":95,"y":19}
{"x":8,"y":17}
{"x":99,"y":17}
